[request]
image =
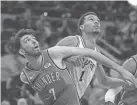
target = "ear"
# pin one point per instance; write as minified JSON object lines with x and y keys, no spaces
{"x":81,"y":27}
{"x":22,"y":52}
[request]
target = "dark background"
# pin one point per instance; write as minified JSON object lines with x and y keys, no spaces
{"x":54,"y":20}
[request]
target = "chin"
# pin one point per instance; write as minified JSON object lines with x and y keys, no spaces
{"x":34,"y":54}
{"x":96,"y":32}
{"x":38,"y":53}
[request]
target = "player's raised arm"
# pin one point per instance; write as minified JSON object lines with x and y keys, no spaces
{"x":65,"y":52}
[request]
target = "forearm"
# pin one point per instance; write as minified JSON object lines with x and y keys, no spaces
{"x":107,"y":62}
{"x":67,"y":52}
{"x":114,"y":82}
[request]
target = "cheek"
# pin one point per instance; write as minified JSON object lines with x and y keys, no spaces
{"x":88,"y":26}
{"x":28,"y":48}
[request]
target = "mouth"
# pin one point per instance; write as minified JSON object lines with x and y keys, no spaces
{"x":96,"y":26}
{"x":36,"y":47}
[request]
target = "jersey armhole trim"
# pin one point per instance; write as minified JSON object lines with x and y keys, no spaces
{"x":54,"y":62}
{"x":27,"y":78}
{"x":73,"y":83}
{"x":136,"y":64}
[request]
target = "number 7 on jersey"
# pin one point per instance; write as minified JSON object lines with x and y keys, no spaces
{"x":52,"y":91}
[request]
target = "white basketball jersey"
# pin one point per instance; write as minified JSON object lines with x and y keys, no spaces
{"x":87,"y":72}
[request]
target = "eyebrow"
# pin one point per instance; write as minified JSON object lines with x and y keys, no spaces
{"x":25,"y":39}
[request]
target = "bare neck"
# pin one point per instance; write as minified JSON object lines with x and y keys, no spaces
{"x":35,"y":61}
{"x":89,"y":40}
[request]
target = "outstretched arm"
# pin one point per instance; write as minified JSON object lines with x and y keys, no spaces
{"x":107,"y":81}
{"x":63,"y":52}
{"x":66,"y":52}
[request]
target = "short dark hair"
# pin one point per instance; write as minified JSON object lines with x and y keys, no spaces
{"x":19,"y":34}
{"x":81,"y":20}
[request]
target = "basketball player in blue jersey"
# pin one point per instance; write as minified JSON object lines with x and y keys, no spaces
{"x":129,"y":94}
{"x":83,"y":69}
{"x":46,"y":71}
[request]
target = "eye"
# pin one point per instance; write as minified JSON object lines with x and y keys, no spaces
{"x":33,"y":37}
{"x":27,"y":40}
{"x":91,"y":19}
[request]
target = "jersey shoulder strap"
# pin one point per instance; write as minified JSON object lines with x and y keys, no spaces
{"x":23,"y":78}
{"x":27,"y":77}
{"x":134,"y":57}
{"x":81,"y":43}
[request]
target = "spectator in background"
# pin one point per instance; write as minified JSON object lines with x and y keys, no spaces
{"x":60,"y":28}
{"x":130,"y":28}
{"x":58,"y":5}
{"x":27,"y":17}
{"x":11,"y":65}
{"x":40,"y":22}
{"x":22,"y":101}
{"x":5,"y":102}
{"x":41,"y":36}
{"x":129,"y":36}
{"x":133,"y":25}
{"x":112,"y":33}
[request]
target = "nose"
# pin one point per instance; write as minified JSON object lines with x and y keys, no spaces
{"x":96,"y":22}
{"x":33,"y":41}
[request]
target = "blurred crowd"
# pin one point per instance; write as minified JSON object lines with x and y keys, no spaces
{"x":52,"y":21}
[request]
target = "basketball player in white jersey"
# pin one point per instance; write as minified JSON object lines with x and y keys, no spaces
{"x":85,"y":68}
{"x":129,"y":94}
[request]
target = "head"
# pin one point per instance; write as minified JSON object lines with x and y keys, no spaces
{"x":22,"y":101}
{"x":42,"y":17}
{"x":26,"y":44}
{"x":89,"y":23}
{"x":5,"y":102}
{"x":133,"y":16}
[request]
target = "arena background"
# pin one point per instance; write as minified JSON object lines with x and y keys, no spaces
{"x":54,"y":20}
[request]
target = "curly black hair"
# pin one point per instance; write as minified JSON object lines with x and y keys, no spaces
{"x":19,"y":34}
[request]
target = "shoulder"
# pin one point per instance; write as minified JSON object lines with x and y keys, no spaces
{"x":130,"y":65}
{"x":55,"y":50}
{"x":68,"y":41}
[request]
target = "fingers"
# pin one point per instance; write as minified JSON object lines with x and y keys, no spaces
{"x":135,"y":81}
{"x":130,"y":78}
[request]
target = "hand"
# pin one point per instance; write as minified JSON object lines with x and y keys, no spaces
{"x":127,"y":76}
{"x":129,"y":86}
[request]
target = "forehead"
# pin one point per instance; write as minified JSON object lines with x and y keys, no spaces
{"x":90,"y":16}
{"x":26,"y":36}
